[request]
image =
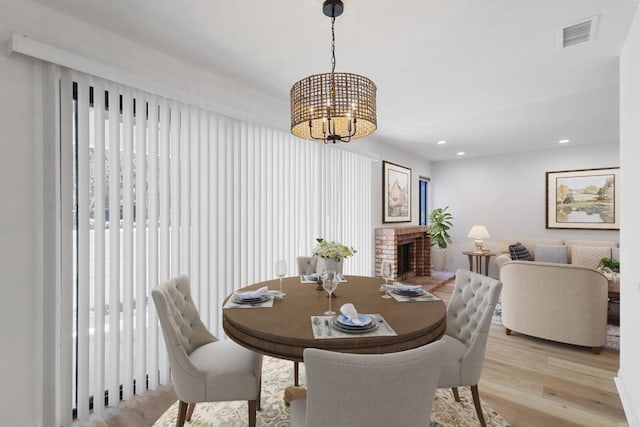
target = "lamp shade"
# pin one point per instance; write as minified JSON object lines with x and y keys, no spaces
{"x":479,"y":232}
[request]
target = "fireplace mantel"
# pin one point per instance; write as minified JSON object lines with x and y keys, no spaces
{"x":388,"y":239}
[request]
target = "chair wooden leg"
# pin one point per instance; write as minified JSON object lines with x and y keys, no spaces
{"x":190,"y":409}
{"x":260,"y":395}
{"x":253,"y":405}
{"x":296,"y":372}
{"x":456,"y":396}
{"x":476,"y":403}
{"x":182,"y":413}
{"x":507,"y":331}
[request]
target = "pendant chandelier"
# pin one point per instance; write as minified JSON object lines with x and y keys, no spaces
{"x":333,"y":107}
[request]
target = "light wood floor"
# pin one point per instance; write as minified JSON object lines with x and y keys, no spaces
{"x":533,"y":382}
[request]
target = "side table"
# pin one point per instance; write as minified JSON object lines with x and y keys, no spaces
{"x":478,"y":257}
{"x":613,"y":309}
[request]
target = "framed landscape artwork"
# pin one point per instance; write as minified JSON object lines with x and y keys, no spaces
{"x":584,"y":199}
{"x":396,"y":190}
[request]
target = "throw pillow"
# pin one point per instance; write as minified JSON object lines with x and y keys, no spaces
{"x":518,"y":251}
{"x":589,"y":256}
{"x":552,"y":253}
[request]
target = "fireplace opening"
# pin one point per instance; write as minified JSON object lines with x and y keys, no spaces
{"x":404,"y":259}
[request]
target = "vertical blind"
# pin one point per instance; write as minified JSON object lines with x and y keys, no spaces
{"x":161,"y":189}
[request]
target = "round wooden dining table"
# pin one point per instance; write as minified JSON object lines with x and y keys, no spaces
{"x":285,"y":330}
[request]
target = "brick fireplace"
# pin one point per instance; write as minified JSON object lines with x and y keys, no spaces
{"x":408,"y":248}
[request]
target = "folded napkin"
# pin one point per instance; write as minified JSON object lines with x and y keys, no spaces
{"x":350,"y":312}
{"x":253,"y":294}
{"x":313,"y":277}
{"x":276,"y":294}
{"x":404,"y":287}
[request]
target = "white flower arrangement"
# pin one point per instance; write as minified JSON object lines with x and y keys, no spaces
{"x":333,"y":250}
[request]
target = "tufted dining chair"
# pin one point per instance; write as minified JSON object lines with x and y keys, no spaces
{"x":369,"y":389}
{"x":306,"y":265}
{"x":468,"y":320}
{"x":203,"y":368}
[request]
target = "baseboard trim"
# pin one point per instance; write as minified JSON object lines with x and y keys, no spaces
{"x":627,"y":403}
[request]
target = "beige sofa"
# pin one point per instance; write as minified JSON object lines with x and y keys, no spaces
{"x":559,"y":302}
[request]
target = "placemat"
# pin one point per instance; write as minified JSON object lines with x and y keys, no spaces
{"x":323,"y":329}
{"x":427,"y":296}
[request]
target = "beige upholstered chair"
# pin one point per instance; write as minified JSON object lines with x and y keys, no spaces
{"x":306,"y":265}
{"x":565,"y":303}
{"x":394,"y":389}
{"x":203,"y":368}
{"x":468,"y":320}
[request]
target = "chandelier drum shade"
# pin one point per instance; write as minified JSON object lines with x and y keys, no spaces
{"x":333,"y":107}
{"x":316,"y":114}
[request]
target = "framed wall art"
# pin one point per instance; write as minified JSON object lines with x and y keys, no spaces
{"x":583,"y":199}
{"x":396,"y":189}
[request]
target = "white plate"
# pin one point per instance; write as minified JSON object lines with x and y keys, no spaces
{"x":353,"y":330}
{"x":345,"y":321}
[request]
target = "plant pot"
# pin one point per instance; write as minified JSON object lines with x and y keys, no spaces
{"x":438,"y":258}
{"x":326,"y":264}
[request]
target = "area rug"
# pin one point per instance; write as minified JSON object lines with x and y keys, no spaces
{"x":613,"y":331}
{"x":277,"y":375}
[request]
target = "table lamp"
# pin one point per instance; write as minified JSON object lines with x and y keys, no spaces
{"x":479,"y":232}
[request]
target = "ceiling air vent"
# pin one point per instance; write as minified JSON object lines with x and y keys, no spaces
{"x":580,"y":32}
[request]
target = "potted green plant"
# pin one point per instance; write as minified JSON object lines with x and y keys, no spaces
{"x":331,"y":255}
{"x":610,"y":263}
{"x":611,"y":269}
{"x":440,"y":222}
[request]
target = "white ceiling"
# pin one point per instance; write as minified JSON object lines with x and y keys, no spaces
{"x":485,"y":75}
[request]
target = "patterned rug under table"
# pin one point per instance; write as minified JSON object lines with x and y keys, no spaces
{"x":277,"y":375}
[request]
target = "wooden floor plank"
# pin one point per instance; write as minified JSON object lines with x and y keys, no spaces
{"x":535,"y":382}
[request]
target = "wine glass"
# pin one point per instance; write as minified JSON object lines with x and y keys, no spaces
{"x":281,"y":271}
{"x":329,"y":283}
{"x":386,"y":271}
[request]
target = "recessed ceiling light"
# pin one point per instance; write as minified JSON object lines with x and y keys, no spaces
{"x":460,"y":153}
{"x":441,"y":142}
{"x":564,"y":141}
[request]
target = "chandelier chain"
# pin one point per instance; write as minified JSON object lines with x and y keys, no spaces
{"x":333,"y":44}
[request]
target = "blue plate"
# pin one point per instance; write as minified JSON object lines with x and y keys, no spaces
{"x":343,"y":320}
{"x":409,"y":291}
{"x":248,"y":297}
{"x":240,"y":300}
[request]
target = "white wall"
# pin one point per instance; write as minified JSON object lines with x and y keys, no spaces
{"x":507,"y":195}
{"x":629,"y":375}
{"x":380,"y":150}
{"x":20,"y":318}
